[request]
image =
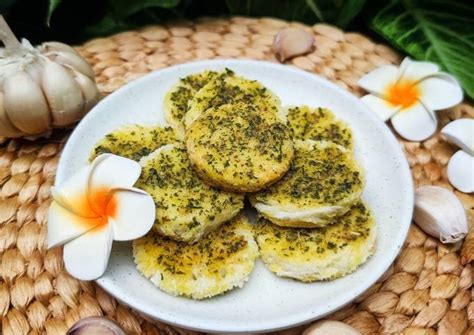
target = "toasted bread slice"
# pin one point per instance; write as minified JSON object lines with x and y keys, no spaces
{"x":134,"y":141}
{"x":229,"y":88}
{"x":217,"y":263}
{"x":310,"y":254}
{"x":239,"y":148}
{"x":318,"y":124}
{"x":186,"y":207}
{"x":323,"y":182}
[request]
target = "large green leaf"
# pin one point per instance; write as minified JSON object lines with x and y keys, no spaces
{"x":337,"y":12}
{"x":125,"y":8}
{"x":441,"y":31}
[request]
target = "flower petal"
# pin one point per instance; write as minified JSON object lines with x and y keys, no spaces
{"x":64,"y":226}
{"x":134,"y":215}
{"x":380,"y":107}
{"x":72,"y":194}
{"x":415,"y":123}
{"x":461,"y":133}
{"x":377,"y":80}
{"x":112,"y":171}
{"x":440,"y":91}
{"x":415,"y":70}
{"x":87,"y":256}
{"x":460,"y":171}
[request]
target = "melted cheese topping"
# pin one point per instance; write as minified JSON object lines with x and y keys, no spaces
{"x":239,"y":147}
{"x":318,"y":124}
{"x":186,"y":207}
{"x":217,"y":263}
{"x":134,"y":142}
{"x":318,"y":253}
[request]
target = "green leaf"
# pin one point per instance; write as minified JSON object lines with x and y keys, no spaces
{"x":440,"y":31}
{"x":336,"y":12}
{"x":125,"y":8}
{"x":52,"y":5}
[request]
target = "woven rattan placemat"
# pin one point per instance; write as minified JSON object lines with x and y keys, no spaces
{"x":427,"y":290}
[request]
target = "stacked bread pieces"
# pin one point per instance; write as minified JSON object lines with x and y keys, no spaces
{"x":233,"y":139}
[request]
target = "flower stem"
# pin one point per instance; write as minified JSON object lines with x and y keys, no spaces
{"x":12,"y":45}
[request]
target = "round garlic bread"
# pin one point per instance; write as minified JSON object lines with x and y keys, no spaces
{"x":229,"y":88}
{"x":217,"y":263}
{"x":176,"y":100}
{"x":318,"y":124}
{"x":239,"y":148}
{"x":318,"y":253}
{"x":323,"y":182}
{"x":134,"y":141}
{"x":186,"y":207}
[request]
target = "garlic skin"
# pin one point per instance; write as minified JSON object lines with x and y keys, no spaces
{"x":439,"y":213}
{"x":95,"y":326}
{"x":327,"y":327}
{"x":41,"y":88}
{"x":291,"y":42}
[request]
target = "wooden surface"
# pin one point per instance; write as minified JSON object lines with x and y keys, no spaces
{"x":428,"y":289}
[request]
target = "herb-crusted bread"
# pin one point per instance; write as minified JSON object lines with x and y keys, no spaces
{"x":323,"y":182}
{"x":310,"y":254}
{"x":186,"y":207}
{"x":217,"y":263}
{"x":239,"y":147}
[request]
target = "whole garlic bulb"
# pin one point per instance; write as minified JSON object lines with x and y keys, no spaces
{"x":439,"y":213}
{"x":41,"y":88}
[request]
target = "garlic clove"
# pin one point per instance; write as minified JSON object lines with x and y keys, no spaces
{"x":25,"y":104}
{"x":461,"y":133}
{"x":291,"y":42}
{"x":95,"y":325}
{"x":7,"y":128}
{"x":86,"y":256}
{"x":63,"y":93}
{"x":327,"y":327}
{"x":73,"y":60}
{"x":461,"y":171}
{"x":89,"y":90}
{"x":135,"y":214}
{"x":56,"y":46}
{"x":439,"y":213}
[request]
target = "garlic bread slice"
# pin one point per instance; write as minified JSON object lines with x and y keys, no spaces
{"x":311,"y":254}
{"x":228,"y":88}
{"x":318,"y":124}
{"x":239,"y":147}
{"x":186,"y":207}
{"x":134,"y":141}
{"x":323,"y":182}
{"x":219,"y":262}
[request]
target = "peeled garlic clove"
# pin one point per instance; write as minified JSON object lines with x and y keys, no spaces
{"x":291,"y":42}
{"x":6,"y":127}
{"x":75,"y":61}
{"x":95,"y":326}
{"x":461,"y":133}
{"x":327,"y":327}
{"x":439,"y":213}
{"x":56,"y":46}
{"x":25,"y":104}
{"x":461,"y":171}
{"x":63,"y":93}
{"x":89,"y":90}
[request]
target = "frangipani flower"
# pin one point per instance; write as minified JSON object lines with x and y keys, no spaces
{"x":94,"y":207}
{"x":461,"y":165}
{"x":409,"y":95}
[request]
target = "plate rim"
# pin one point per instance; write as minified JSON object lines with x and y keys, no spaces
{"x":305,"y":317}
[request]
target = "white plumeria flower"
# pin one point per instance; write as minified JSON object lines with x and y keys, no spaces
{"x":461,"y":165}
{"x":94,"y":207}
{"x":409,"y":95}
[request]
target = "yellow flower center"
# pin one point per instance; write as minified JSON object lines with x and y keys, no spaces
{"x":403,"y":93}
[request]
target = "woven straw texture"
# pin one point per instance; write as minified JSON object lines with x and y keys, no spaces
{"x":427,"y":290}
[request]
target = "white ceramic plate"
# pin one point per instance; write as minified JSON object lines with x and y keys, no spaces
{"x":266,"y":302}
